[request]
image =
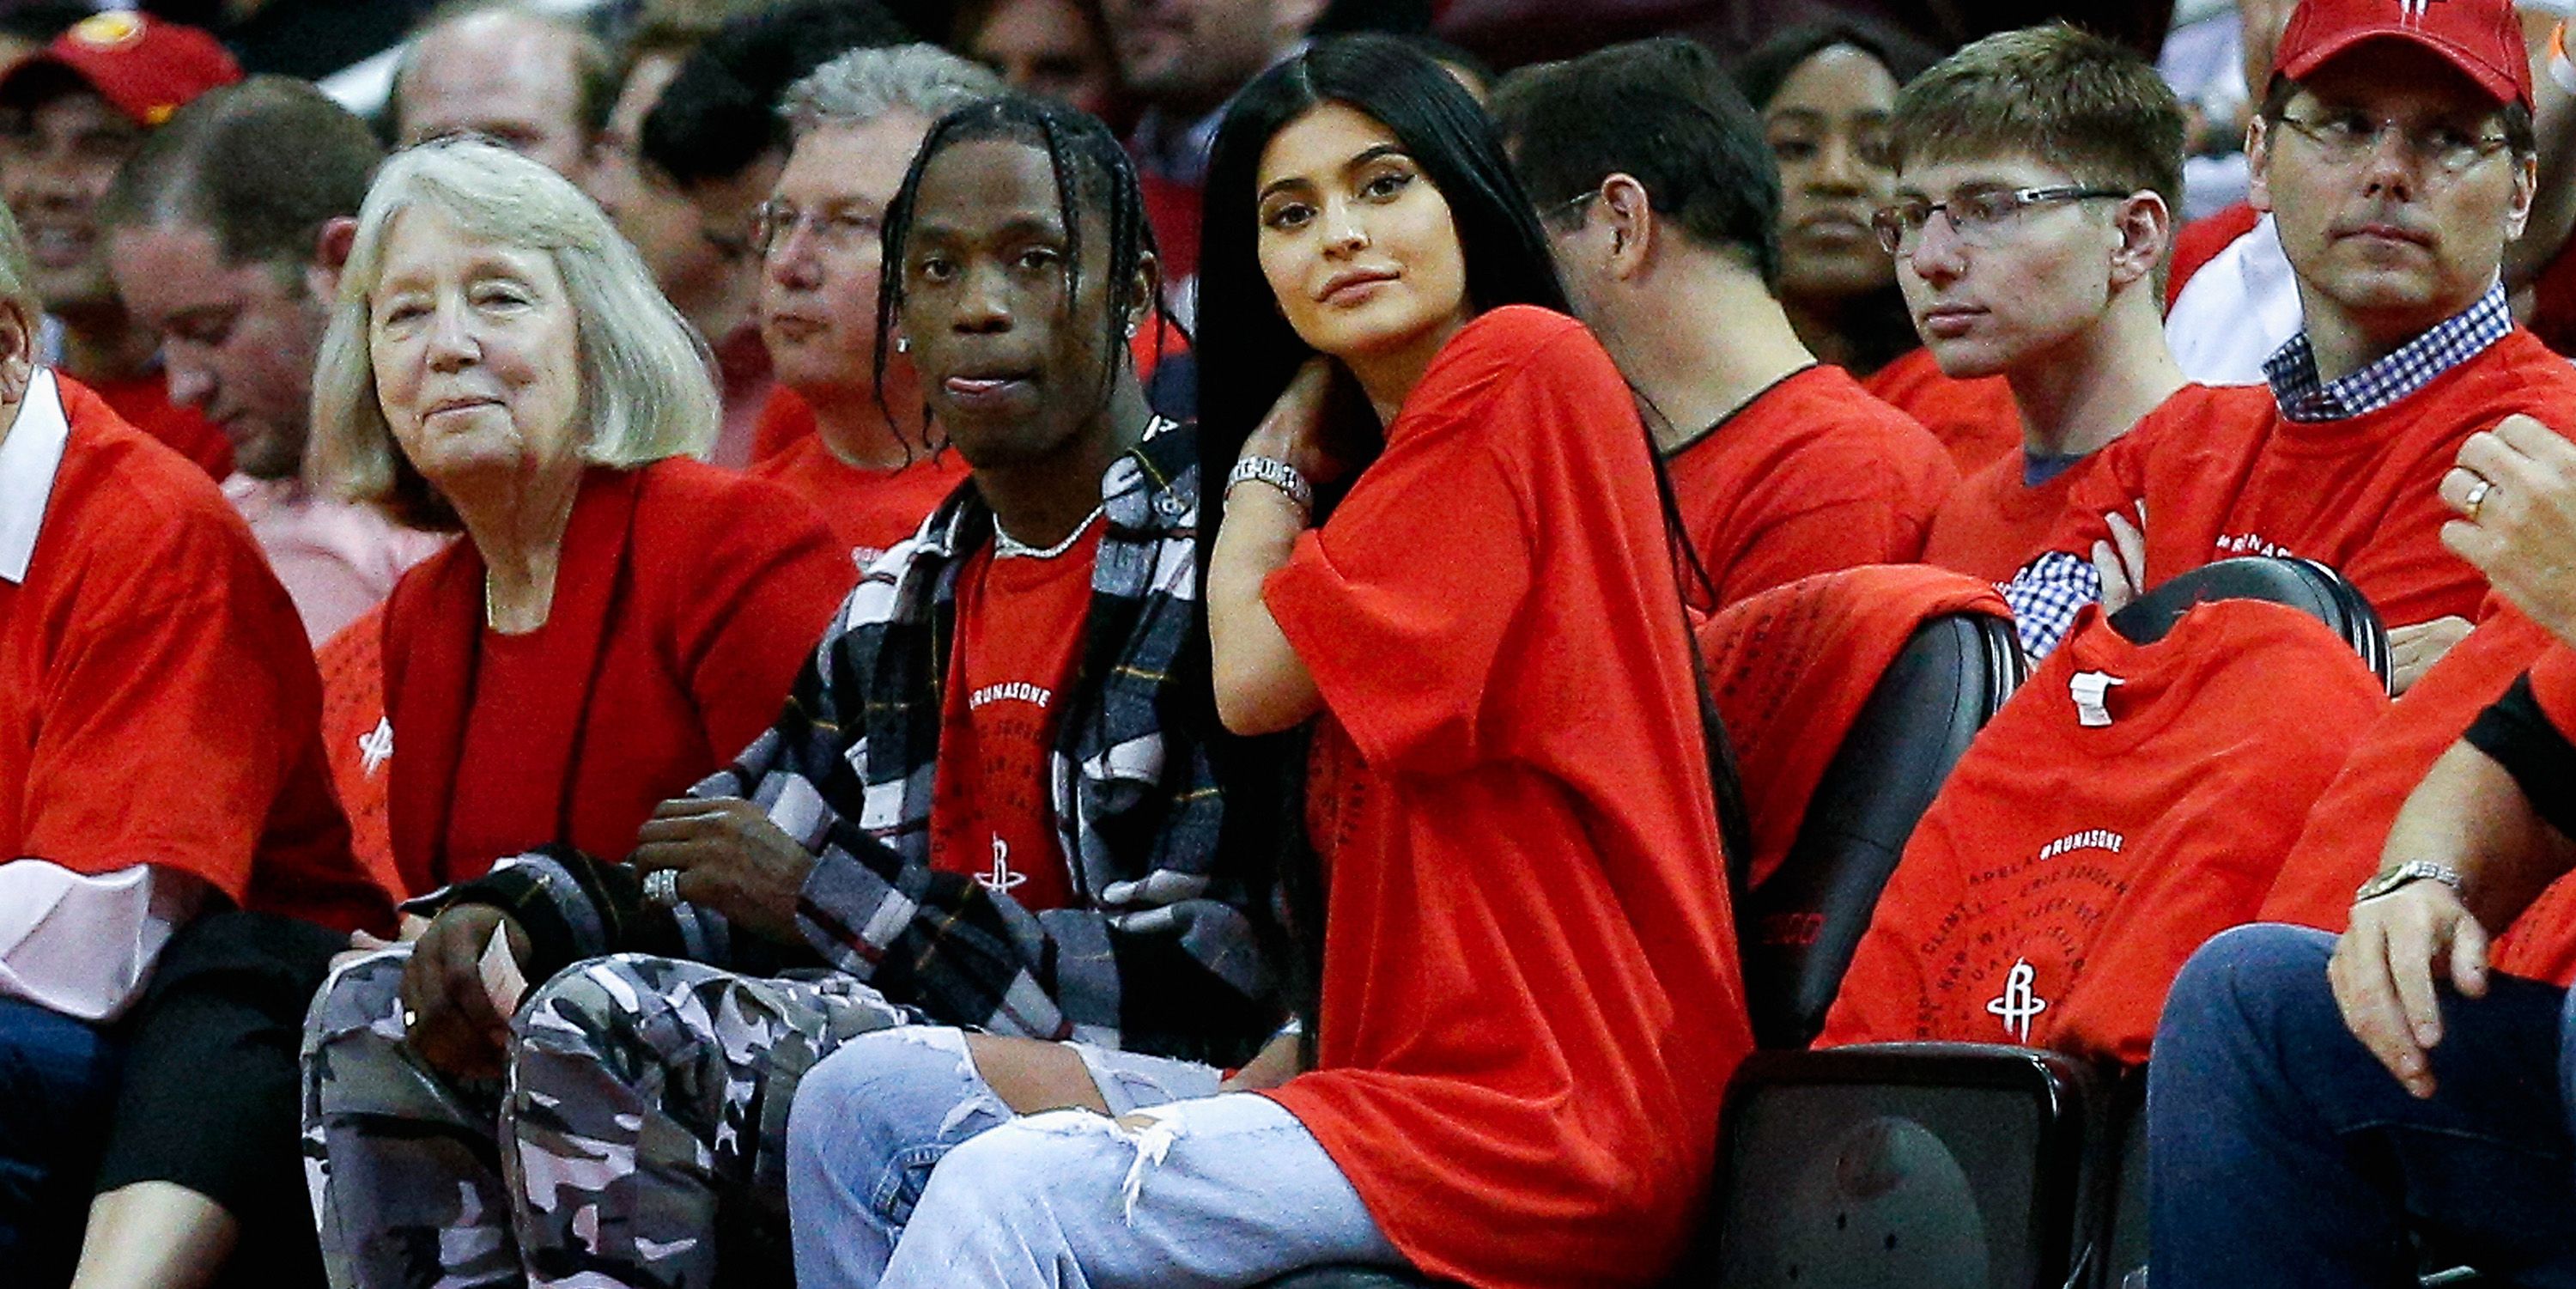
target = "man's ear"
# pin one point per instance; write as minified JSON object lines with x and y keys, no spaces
{"x":1630,"y":212}
{"x":1148,"y":293}
{"x":2526,"y":186}
{"x":330,"y":255}
{"x":17,"y":352}
{"x":2145,"y":227}
{"x":2258,"y":164}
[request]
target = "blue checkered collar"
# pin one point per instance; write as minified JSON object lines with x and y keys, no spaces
{"x":2292,"y":368}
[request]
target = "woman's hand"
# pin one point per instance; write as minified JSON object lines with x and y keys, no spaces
{"x":452,"y":1021}
{"x":1275,"y":1064}
{"x":730,"y":858}
{"x":2515,"y":491}
{"x":1295,"y":429}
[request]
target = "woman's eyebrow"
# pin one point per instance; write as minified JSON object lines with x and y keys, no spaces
{"x":1366,"y":155}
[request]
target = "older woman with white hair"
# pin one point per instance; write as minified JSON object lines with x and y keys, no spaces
{"x":617,"y":620}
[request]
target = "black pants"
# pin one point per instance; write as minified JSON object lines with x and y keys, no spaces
{"x":208,"y":1099}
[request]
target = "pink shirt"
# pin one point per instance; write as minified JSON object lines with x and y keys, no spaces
{"x":337,"y":559}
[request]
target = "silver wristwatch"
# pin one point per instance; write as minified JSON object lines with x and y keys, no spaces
{"x":2410,"y":871}
{"x":1277,"y":474}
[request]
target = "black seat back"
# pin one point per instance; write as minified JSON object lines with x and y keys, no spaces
{"x":1925,"y":1165}
{"x":1804,"y":924}
{"x":2302,"y":584}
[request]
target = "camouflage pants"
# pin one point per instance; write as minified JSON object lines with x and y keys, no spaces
{"x":643,"y":1125}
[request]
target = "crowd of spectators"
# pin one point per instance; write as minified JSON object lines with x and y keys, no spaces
{"x":861,"y":642}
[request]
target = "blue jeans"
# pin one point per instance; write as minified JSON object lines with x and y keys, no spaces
{"x":2284,"y":1155}
{"x":57,"y":1088}
{"x":904,"y":1169}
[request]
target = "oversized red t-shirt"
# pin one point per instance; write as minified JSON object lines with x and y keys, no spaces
{"x":2066,"y":871}
{"x":144,"y":402}
{"x":1530,"y":999}
{"x":1976,"y":420}
{"x":2347,"y":831}
{"x":869,"y":510}
{"x":997,"y":813}
{"x":1812,"y":475}
{"x":158,"y":701}
{"x":2360,"y":495}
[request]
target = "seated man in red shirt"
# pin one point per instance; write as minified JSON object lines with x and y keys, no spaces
{"x":1661,"y":202}
{"x":870,"y":466}
{"x":2054,"y":160}
{"x":161,"y":771}
{"x":2394,"y":149}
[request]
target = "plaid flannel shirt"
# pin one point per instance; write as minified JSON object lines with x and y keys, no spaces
{"x":2046,"y":596}
{"x":1159,"y":954}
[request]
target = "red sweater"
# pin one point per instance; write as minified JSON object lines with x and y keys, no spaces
{"x":686,"y":599}
{"x":2066,"y":871}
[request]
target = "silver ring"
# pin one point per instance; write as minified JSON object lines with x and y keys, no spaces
{"x":2476,"y":500}
{"x":662,"y":886}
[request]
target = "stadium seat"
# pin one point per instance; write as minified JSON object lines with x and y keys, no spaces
{"x":2302,"y":584}
{"x":1926,"y":1165}
{"x":1806,"y":921}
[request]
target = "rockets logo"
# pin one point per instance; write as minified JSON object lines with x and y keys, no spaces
{"x":2414,"y":10}
{"x":2019,"y":1004}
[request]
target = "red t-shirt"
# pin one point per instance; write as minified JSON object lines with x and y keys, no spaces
{"x":357,"y":739}
{"x":997,"y":813}
{"x":144,"y":402}
{"x":1530,"y":998}
{"x":1791,"y":668}
{"x":2347,"y":829}
{"x":158,"y":701}
{"x":2231,"y":477}
{"x":869,"y":510}
{"x":2065,"y":872}
{"x":1976,"y":420}
{"x":1994,"y":523}
{"x":1810,"y":476}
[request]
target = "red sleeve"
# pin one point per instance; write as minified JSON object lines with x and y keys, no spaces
{"x":1399,"y":606}
{"x":167,"y":691}
{"x":2553,"y":684}
{"x":2113,"y":482}
{"x":1824,"y":540}
{"x":765,"y":592}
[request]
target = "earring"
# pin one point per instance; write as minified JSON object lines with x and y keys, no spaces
{"x":902,"y":345}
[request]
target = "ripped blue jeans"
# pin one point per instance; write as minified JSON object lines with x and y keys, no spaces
{"x":904,"y":1168}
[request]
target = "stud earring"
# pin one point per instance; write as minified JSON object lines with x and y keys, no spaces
{"x":902,"y":345}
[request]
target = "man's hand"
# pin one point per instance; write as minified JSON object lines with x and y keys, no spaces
{"x":2413,"y":650}
{"x":2514,"y":488}
{"x":2122,"y":561}
{"x":730,"y":858}
{"x":452,"y":1022}
{"x":2384,"y":969}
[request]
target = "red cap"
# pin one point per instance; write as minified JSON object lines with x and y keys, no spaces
{"x":2480,"y":37}
{"x":143,"y":66}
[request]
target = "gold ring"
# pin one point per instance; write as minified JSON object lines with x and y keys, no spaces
{"x":2477,"y":499}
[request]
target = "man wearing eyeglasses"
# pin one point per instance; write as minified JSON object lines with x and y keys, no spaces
{"x":2037,"y":173}
{"x":2394,"y":151}
{"x":1783,"y":467}
{"x":855,"y":123}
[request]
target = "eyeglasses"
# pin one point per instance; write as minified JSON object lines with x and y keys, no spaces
{"x":839,"y":230}
{"x":1569,"y":206}
{"x":1978,"y":218}
{"x":2346,"y":137}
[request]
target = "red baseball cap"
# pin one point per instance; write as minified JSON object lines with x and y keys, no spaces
{"x":143,"y":66}
{"x":2480,"y":37}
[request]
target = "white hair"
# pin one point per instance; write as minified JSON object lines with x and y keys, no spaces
{"x":864,"y":84}
{"x":646,"y":392}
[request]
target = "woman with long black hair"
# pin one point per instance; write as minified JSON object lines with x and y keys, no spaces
{"x":1527,"y":1002}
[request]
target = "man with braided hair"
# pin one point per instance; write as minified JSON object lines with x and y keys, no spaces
{"x":989,"y":803}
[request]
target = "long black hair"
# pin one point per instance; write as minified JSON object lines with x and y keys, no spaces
{"x":1093,"y":176}
{"x":1247,"y":354}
